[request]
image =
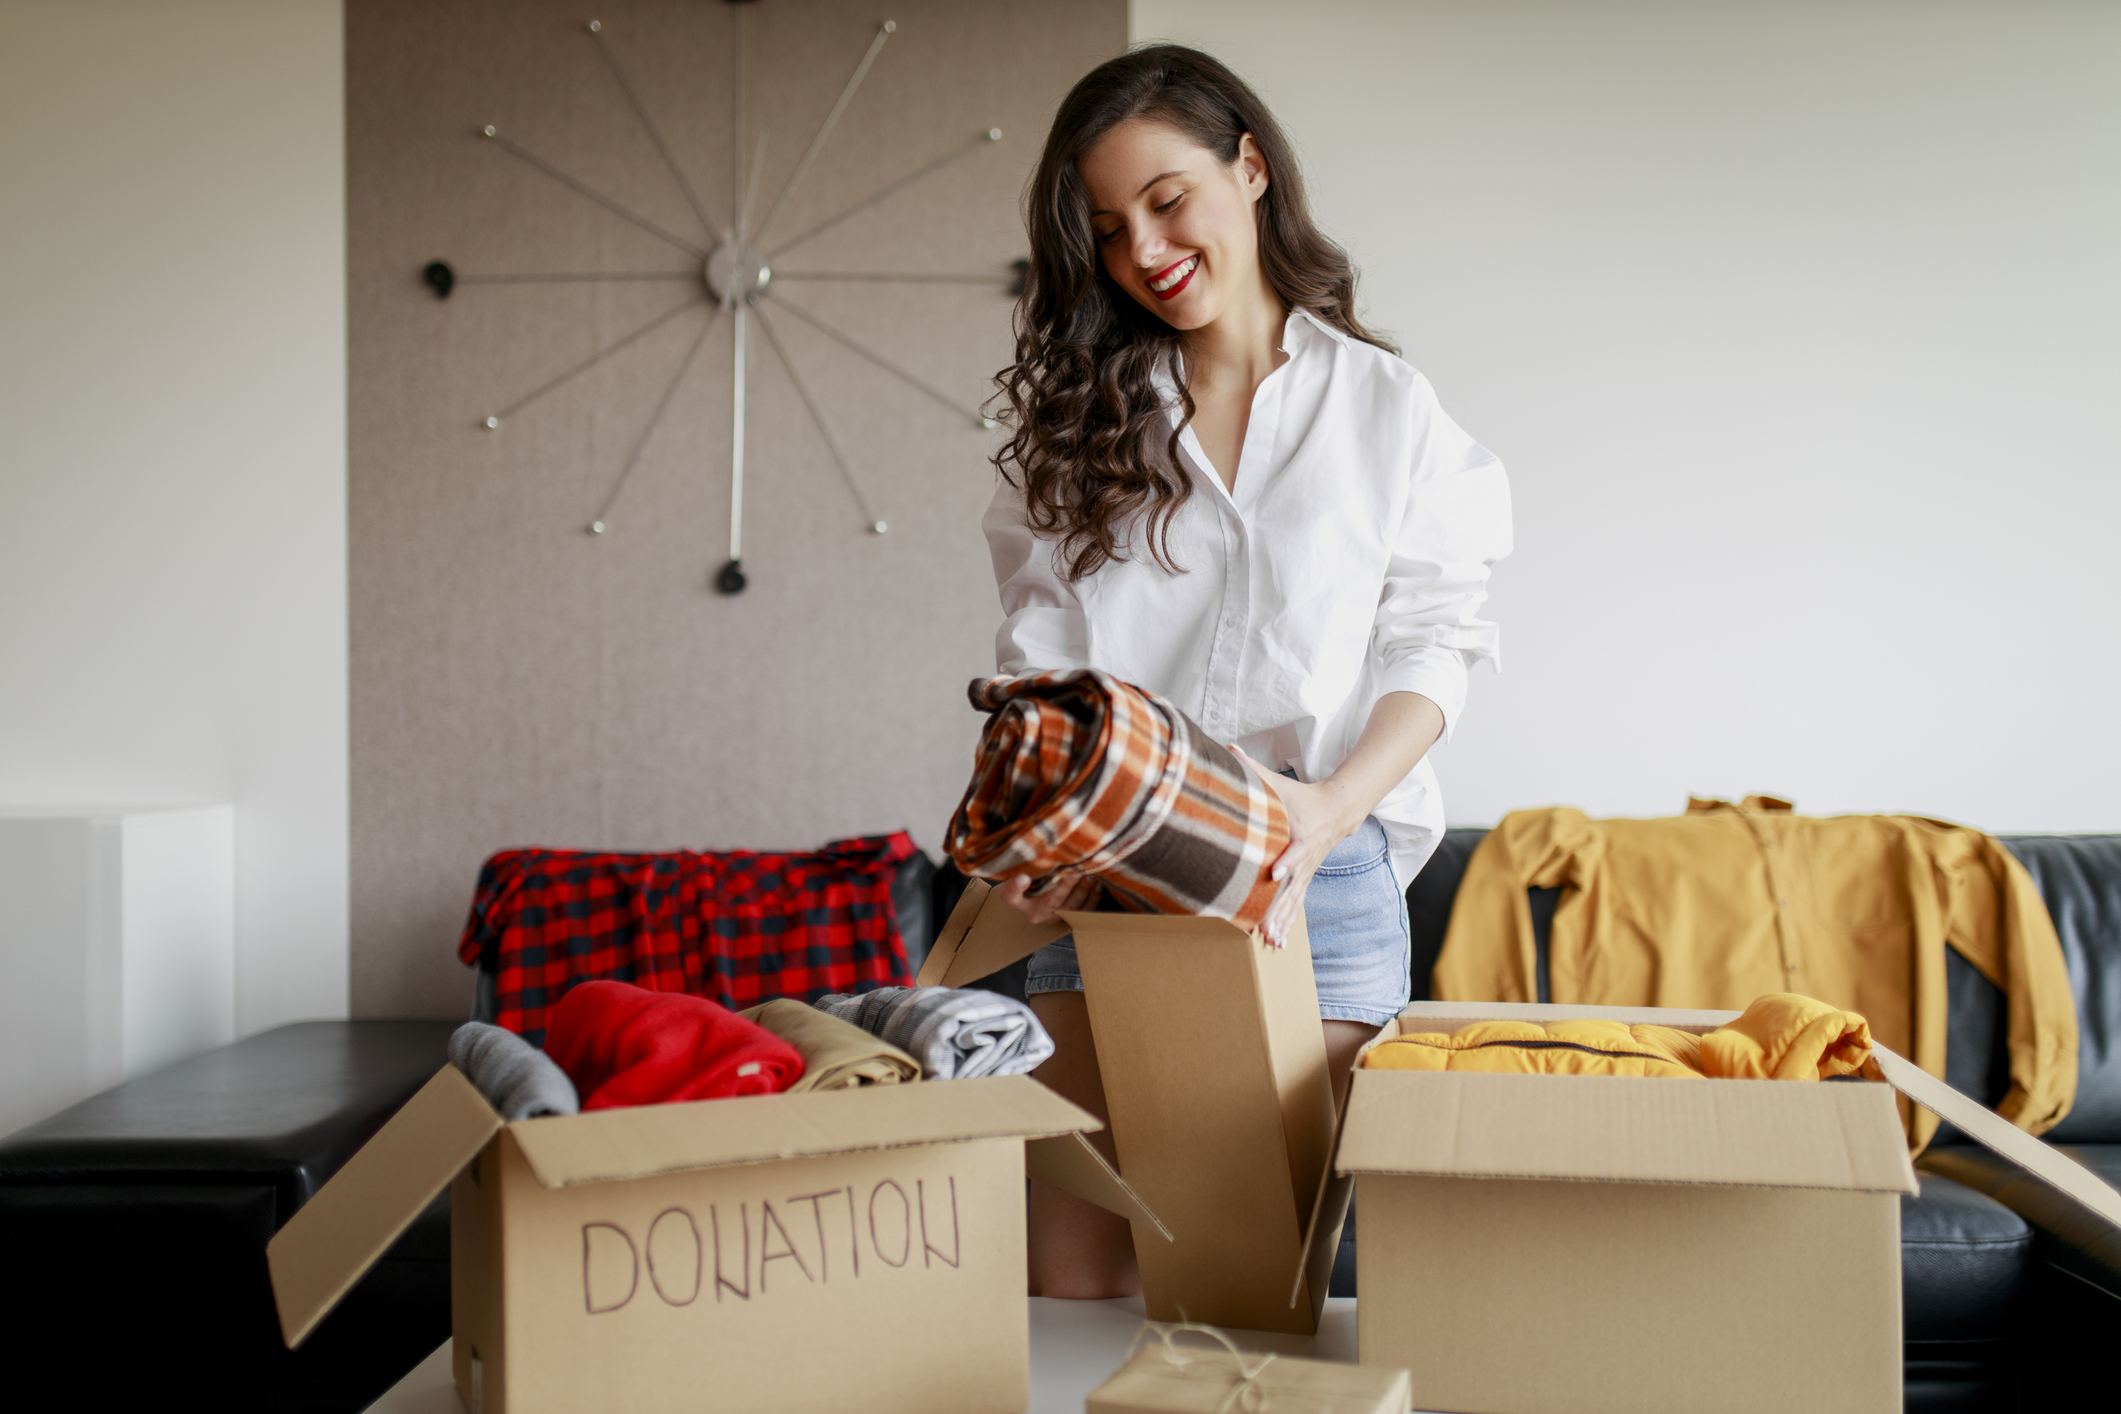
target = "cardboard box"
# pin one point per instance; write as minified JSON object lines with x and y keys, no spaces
{"x":1214,"y":1069}
{"x":813,"y":1252}
{"x":1547,"y":1243}
{"x":1186,"y":1379}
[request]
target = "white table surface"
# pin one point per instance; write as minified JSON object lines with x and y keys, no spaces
{"x":1074,"y":1346}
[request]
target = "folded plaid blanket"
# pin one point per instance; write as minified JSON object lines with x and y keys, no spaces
{"x":1081,"y":773}
{"x":955,"y":1033}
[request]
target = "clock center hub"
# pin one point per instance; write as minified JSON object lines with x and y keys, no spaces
{"x":737,"y":272}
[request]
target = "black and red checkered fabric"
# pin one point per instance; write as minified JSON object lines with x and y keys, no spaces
{"x":738,"y":928}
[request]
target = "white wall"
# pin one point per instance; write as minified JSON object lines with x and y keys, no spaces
{"x":172,"y":443}
{"x":118,"y":940}
{"x":1795,"y":325}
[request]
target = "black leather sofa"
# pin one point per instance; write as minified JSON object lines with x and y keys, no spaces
{"x":134,"y":1224}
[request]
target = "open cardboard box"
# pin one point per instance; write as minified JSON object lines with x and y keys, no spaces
{"x":812,"y":1252}
{"x":1214,"y":1070}
{"x":1536,"y":1243}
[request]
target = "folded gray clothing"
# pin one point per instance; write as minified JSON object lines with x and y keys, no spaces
{"x":955,"y":1033}
{"x":518,"y":1080}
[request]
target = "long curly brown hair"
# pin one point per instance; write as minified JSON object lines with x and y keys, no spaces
{"x":1091,"y":447}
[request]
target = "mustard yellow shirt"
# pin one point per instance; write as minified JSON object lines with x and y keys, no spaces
{"x":1727,"y":902}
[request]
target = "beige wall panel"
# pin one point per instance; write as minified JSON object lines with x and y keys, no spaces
{"x":517,"y":681}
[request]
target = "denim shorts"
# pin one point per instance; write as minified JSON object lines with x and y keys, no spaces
{"x":1357,"y":919}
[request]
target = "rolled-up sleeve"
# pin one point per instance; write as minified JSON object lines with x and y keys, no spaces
{"x":1043,"y":627}
{"x":1429,"y":632}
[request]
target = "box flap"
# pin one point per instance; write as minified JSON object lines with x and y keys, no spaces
{"x":2038,"y":1158}
{"x":978,"y":940}
{"x":1451,"y":1015}
{"x":1214,"y":1072}
{"x":336,"y":1236}
{"x":1625,"y":1130}
{"x":1071,"y":1163}
{"x":758,"y":1129}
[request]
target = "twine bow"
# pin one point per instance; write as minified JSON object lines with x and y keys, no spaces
{"x":1247,"y":1396}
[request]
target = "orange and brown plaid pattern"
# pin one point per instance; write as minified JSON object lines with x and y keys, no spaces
{"x":1080,"y":773}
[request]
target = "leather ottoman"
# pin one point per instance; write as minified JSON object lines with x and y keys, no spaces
{"x":135,"y":1225}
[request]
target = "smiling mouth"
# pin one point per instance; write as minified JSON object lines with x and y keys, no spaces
{"x":1175,"y":278}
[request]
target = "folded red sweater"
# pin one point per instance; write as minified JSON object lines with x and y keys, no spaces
{"x":625,"y":1045}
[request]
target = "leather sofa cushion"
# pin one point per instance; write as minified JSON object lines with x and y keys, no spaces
{"x":1963,"y":1263}
{"x":280,"y":1111}
{"x":2071,"y":1237}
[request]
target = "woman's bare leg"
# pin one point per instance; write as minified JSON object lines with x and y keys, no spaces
{"x":1343,"y":1040}
{"x":1078,"y":1249}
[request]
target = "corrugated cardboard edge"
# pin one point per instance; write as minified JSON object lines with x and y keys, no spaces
{"x":334,"y":1238}
{"x":978,"y":941}
{"x":2042,"y":1160}
{"x":1071,"y":1163}
{"x":1335,"y":1191}
{"x":646,"y":1140}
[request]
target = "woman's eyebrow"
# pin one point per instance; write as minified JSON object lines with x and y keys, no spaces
{"x":1100,"y":211}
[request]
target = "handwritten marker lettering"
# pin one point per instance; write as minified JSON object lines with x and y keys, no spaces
{"x":905,"y":1218}
{"x":766,"y":1254}
{"x":599,"y":1252}
{"x":674,"y":1246}
{"x":681,"y":1252}
{"x":743,"y":1224}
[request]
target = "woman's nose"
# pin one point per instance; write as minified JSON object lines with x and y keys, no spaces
{"x":1149,"y":248}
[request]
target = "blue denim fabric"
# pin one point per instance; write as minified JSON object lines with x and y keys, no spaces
{"x":1356,"y":917}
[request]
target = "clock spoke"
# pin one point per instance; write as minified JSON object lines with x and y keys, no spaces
{"x":576,"y":277}
{"x":593,"y":360}
{"x":897,"y":371}
{"x":881,"y":277}
{"x":594,"y":195}
{"x":596,"y":526}
{"x":802,"y":168}
{"x":991,"y":135}
{"x":640,"y":110}
{"x":802,"y":390}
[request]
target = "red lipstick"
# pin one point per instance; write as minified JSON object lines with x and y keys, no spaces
{"x":1173,"y":291}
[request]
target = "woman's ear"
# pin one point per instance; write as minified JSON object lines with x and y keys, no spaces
{"x":1251,"y":168}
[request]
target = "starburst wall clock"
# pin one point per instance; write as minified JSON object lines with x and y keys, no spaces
{"x":735,"y":269}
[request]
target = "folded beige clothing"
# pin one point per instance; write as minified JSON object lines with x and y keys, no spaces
{"x":837,"y":1055}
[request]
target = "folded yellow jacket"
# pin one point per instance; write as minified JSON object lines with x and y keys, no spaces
{"x":1779,"y":1037}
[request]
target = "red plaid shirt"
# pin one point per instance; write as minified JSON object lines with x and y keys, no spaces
{"x":738,"y":928}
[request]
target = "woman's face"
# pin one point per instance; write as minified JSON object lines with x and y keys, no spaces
{"x":1174,"y":225}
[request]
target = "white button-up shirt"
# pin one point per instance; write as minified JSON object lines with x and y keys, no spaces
{"x":1351,"y":560}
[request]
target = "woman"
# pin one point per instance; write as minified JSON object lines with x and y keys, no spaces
{"x":1225,"y":489}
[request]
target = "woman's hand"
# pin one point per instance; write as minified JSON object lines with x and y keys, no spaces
{"x":1402,"y":728}
{"x":1318,"y":820}
{"x":1063,"y":893}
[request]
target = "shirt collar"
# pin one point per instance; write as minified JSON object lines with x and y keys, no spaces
{"x":1303,"y":324}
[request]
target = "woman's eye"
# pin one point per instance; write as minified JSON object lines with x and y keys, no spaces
{"x":1170,"y":206}
{"x":1107,"y":237}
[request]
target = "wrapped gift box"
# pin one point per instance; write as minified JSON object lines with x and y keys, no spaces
{"x":1168,"y":1378}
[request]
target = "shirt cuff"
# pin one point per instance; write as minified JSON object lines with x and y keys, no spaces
{"x":1438,"y":674}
